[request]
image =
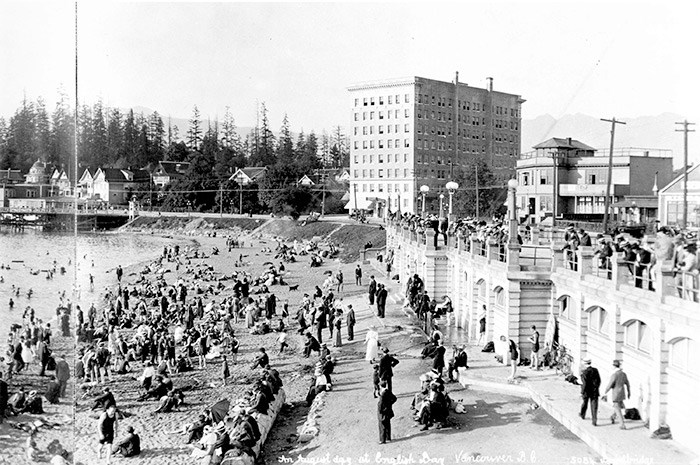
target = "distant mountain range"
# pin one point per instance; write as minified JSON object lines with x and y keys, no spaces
{"x":654,"y":132}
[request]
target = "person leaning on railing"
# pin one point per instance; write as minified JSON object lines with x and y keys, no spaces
{"x":686,"y":272}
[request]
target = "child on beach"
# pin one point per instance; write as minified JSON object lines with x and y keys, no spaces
{"x":225,"y":372}
{"x":282,"y":340}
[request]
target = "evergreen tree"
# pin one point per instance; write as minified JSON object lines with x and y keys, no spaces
{"x":5,"y":162}
{"x":42,"y":134}
{"x":115,"y":138}
{"x":99,"y":143}
{"x":131,"y":135}
{"x":194,"y":133}
{"x":264,"y":150}
{"x":62,"y":151}
{"x":21,"y":142}
{"x":490,"y":196}
{"x":229,"y":137}
{"x":285,"y":148}
{"x":157,"y":139}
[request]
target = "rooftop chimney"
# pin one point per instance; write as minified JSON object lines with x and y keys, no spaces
{"x":490,"y":79}
{"x":456,"y":77}
{"x":568,"y":140}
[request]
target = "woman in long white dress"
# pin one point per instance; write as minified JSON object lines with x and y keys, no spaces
{"x":27,"y":353}
{"x":372,"y":342}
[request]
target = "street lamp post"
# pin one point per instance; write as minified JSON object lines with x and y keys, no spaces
{"x":512,"y":213}
{"x":442,"y":197}
{"x":423,"y":190}
{"x":451,"y":189}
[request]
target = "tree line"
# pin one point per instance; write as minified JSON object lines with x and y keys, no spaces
{"x":109,"y":137}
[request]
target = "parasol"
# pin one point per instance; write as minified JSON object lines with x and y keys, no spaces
{"x":550,"y":332}
{"x":219,"y":410}
{"x":328,"y":272}
{"x":267,"y":264}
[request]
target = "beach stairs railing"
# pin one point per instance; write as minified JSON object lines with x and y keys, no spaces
{"x":265,"y":422}
{"x":367,"y":254}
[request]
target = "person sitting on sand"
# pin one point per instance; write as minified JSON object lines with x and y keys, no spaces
{"x":129,"y":446}
{"x":104,"y":401}
{"x":196,"y":429}
{"x":168,"y":402}
{"x":33,"y":404}
{"x":53,"y":389}
{"x":146,"y":378}
{"x":161,"y":388}
{"x":262,"y":360}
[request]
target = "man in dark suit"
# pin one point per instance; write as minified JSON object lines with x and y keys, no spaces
{"x":618,"y":383}
{"x":386,"y":367}
{"x":590,"y":390}
{"x":385,"y":412}
{"x":381,"y":300}
{"x":372,"y":289}
{"x":350,"y":323}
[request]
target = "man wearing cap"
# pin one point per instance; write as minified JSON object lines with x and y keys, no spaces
{"x":350,"y":322}
{"x":590,"y":390}
{"x":386,"y":368}
{"x":459,"y":361}
{"x":618,"y":382}
{"x":381,"y":300}
{"x":385,"y":412}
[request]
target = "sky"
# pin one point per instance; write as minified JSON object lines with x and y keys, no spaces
{"x":613,"y":58}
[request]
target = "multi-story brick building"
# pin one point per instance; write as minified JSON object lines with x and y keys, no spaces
{"x":579,"y":182}
{"x":405,"y":133}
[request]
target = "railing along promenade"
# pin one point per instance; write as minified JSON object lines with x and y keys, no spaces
{"x":659,"y":280}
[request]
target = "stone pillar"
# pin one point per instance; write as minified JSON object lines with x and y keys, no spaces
{"x":535,"y":235}
{"x":492,"y":250}
{"x":436,"y":273}
{"x":430,"y":239}
{"x":557,"y":256}
{"x":658,"y":380}
{"x":585,"y":260}
{"x":513,"y":257}
{"x":620,"y":273}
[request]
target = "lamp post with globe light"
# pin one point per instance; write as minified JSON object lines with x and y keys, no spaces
{"x":442,"y":198}
{"x":512,"y":213}
{"x":451,"y":189}
{"x":423,"y":190}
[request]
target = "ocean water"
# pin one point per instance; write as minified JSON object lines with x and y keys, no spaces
{"x":96,"y":254}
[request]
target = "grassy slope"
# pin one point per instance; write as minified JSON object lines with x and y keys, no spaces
{"x":175,"y":222}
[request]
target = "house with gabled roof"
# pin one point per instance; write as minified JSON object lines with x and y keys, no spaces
{"x":248,"y":175}
{"x":169,"y":171}
{"x":115,"y":186}
{"x":671,"y":200}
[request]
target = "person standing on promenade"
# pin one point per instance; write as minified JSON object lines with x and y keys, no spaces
{"x":358,"y":275}
{"x":618,"y":383}
{"x":372,"y":342}
{"x":339,"y":279}
{"x":534,"y":357}
{"x":106,"y":431}
{"x":385,"y":412}
{"x":62,"y":375}
{"x":381,"y":301}
{"x":512,"y":356}
{"x":590,"y":390}
{"x":350,"y":322}
{"x":337,"y":340}
{"x":482,"y":326}
{"x":120,"y":272}
{"x":439,"y":357}
{"x":386,"y":368}
{"x":372,"y":289}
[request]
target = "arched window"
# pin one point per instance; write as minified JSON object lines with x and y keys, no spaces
{"x":567,"y":310}
{"x":499,"y":296}
{"x":683,"y":355}
{"x":637,"y":336}
{"x":481,"y":288}
{"x":598,"y":321}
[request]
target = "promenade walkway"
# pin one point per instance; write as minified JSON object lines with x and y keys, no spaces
{"x":562,"y":401}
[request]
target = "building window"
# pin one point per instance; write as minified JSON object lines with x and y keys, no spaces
{"x":405,"y":113}
{"x":364,"y":158}
{"x":388,"y":174}
{"x":598,"y":321}
{"x":371,"y":115}
{"x":380,"y":158}
{"x":371,"y":173}
{"x":388,"y":143}
{"x":637,"y":336}
{"x":407,"y":98}
{"x":371,"y":130}
{"x":357,"y":101}
{"x":364,"y":173}
{"x":371,"y":187}
{"x":566,"y":309}
{"x":683,"y":355}
{"x":398,"y":99}
{"x":364,"y":101}
{"x":380,"y":173}
{"x":371,"y":101}
{"x":371,"y":158}
{"x":356,"y":173}
{"x":381,"y":129}
{"x":357,"y":144}
{"x":405,"y":187}
{"x":371,"y":144}
{"x":357,"y":116}
{"x":405,"y":128}
{"x":364,"y":144}
{"x":389,"y":99}
{"x":381,"y":115}
{"x":591,"y":179}
{"x":406,"y":143}
{"x":364,"y":130}
{"x":364,"y":115}
{"x":381,"y":100}
{"x":364,"y":188}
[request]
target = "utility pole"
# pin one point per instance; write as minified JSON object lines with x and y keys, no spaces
{"x":240,"y":198}
{"x":476,"y":180}
{"x":610,"y":168}
{"x":685,"y":132}
{"x":221,"y":199}
{"x":323,"y":196}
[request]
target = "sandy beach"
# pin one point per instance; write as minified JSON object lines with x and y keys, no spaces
{"x":161,"y":438}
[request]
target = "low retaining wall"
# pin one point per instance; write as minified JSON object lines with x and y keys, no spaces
{"x":265,"y":423}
